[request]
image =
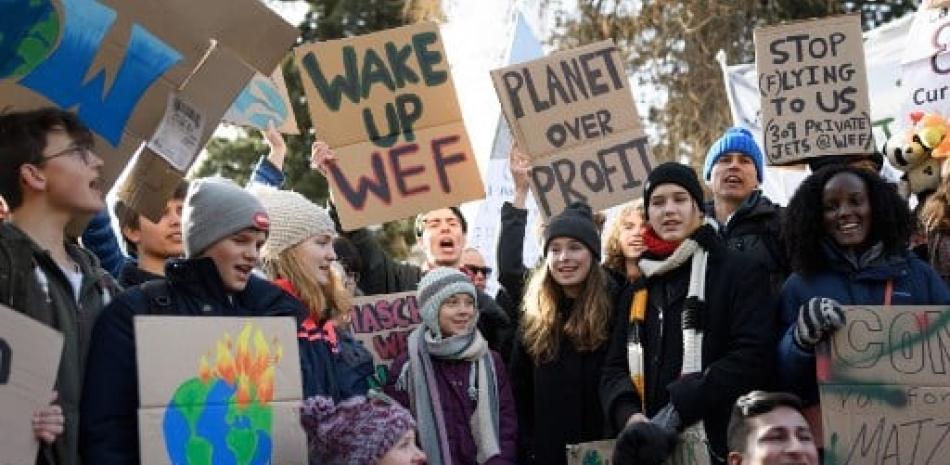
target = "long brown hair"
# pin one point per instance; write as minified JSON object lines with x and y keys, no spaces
{"x":935,"y":215}
{"x":613,"y":253}
{"x":585,"y":328}
{"x":329,"y":301}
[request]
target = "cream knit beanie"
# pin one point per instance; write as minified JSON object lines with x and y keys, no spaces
{"x":293,"y":219}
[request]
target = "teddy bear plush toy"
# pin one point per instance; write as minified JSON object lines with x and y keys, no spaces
{"x":922,"y":152}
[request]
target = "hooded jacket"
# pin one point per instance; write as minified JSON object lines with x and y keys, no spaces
{"x":736,"y":349}
{"x":755,"y":230}
{"x":109,"y":427}
{"x":51,"y":301}
{"x":850,"y":281}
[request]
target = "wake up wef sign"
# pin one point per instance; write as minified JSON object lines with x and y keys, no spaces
{"x":386,"y":103}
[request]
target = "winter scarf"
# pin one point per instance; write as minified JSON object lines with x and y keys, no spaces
{"x":693,"y":309}
{"x":311,"y":329}
{"x":418,"y":377}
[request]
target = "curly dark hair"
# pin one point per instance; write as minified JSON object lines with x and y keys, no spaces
{"x":891,"y":221}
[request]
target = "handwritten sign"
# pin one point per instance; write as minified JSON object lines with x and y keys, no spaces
{"x":573,"y":114}
{"x":813,"y":84}
{"x":925,"y":66}
{"x":383,"y":323}
{"x":386,"y":103}
{"x":885,"y":395}
{"x":29,"y":358}
{"x":226,"y":387}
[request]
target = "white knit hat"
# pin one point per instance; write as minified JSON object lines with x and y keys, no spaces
{"x":293,"y":219}
{"x":437,"y":285}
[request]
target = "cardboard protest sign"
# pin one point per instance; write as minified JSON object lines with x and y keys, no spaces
{"x":264,"y":100}
{"x":813,"y":83}
{"x":591,"y":453}
{"x":885,"y":388}
{"x":690,"y":451}
{"x":115,"y":63}
{"x":383,"y":323}
{"x":29,"y":359}
{"x":227,"y":387}
{"x":925,"y":65}
{"x":572,"y":113}
{"x":385,"y":102}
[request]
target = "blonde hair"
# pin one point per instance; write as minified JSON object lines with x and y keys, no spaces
{"x":935,"y":215}
{"x":586,"y":327}
{"x":330,"y":301}
{"x":613,"y":253}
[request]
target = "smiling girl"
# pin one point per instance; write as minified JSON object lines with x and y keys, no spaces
{"x":848,"y":232}
{"x":298,"y":256}
{"x":456,"y":387}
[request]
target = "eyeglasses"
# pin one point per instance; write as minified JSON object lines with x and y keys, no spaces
{"x":484,"y":270}
{"x":84,"y":152}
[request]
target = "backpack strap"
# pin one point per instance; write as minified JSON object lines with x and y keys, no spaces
{"x":159,"y":296}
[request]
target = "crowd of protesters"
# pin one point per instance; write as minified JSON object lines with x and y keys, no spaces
{"x":684,"y":317}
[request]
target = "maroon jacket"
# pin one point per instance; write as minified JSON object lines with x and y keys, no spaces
{"x":452,"y":377}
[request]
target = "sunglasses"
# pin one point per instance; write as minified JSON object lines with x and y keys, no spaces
{"x":484,"y":270}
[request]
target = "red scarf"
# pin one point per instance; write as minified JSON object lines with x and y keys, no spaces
{"x":311,"y":329}
{"x":657,"y":246}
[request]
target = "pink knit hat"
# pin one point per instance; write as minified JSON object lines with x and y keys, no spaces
{"x":356,"y":431}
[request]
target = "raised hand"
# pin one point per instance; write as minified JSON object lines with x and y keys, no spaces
{"x":321,"y":157}
{"x":520,"y":168}
{"x":278,"y":148}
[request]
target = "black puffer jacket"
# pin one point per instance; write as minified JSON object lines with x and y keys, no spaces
{"x":109,"y":427}
{"x":738,"y":344}
{"x":755,"y":230}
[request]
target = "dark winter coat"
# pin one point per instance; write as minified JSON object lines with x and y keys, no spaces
{"x":452,"y":379}
{"x":55,"y":305}
{"x":914,"y":283}
{"x":755,"y":230}
{"x":110,"y":397}
{"x":131,"y":275}
{"x":737,"y":345}
{"x":383,"y":275}
{"x":558,"y":402}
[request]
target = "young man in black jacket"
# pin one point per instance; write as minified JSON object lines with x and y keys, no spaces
{"x":49,"y":176}
{"x":223,"y":230}
{"x":747,"y":220}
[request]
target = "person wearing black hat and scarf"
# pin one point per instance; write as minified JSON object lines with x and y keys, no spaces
{"x":695,"y":333}
{"x":556,"y":363}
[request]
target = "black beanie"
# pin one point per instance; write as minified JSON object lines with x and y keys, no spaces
{"x":576,"y":222}
{"x":672,"y":173}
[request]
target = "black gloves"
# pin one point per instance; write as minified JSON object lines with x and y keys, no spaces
{"x":644,"y":443}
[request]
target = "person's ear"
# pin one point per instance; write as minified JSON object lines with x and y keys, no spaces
{"x":33,"y":177}
{"x":734,"y":458}
{"x":134,"y":235}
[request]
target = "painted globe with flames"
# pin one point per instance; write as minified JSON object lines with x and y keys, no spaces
{"x":28,"y":34}
{"x":224,"y":415}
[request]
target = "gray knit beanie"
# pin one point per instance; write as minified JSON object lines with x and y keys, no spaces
{"x":293,"y":220}
{"x":214,"y":209}
{"x":436,"y":286}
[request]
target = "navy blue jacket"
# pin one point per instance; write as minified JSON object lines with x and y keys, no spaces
{"x":108,"y":420}
{"x":915,"y":283}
